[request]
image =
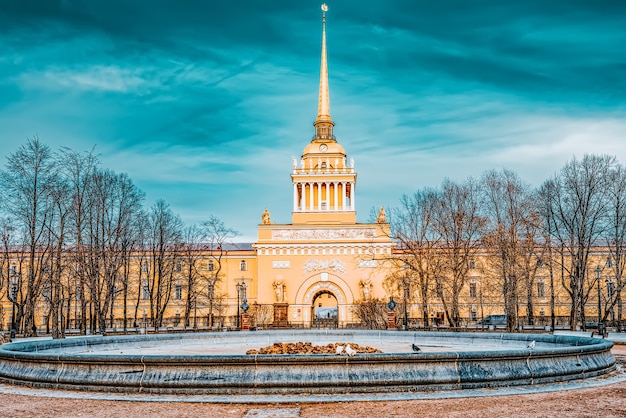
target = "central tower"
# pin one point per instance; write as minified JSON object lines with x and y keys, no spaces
{"x":323,"y":182}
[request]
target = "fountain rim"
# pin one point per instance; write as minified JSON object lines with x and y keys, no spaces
{"x":563,"y":344}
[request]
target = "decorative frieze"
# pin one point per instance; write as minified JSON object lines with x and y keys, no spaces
{"x":324,"y":234}
{"x":367,"y":264}
{"x":281,"y":264}
{"x":333,"y":264}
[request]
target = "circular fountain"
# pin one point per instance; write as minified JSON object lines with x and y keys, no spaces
{"x":216,"y":363}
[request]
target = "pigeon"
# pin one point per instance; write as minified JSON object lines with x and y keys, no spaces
{"x":350,"y":351}
{"x":416,"y":348}
{"x":339,"y":349}
{"x":531,"y":345}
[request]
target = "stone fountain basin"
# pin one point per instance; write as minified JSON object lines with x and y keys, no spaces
{"x":216,"y":363}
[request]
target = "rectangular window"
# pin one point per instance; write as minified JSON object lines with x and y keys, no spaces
{"x":243,"y":266}
{"x":178,"y":267}
{"x":211,"y":266}
{"x":178,"y":292}
{"x":145,"y":267}
{"x":472,"y":263}
{"x":145,"y":291}
{"x":541,"y":289}
{"x":609,"y":262}
{"x":472,"y":290}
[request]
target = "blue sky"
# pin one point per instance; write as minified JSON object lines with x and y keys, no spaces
{"x":204,"y":103}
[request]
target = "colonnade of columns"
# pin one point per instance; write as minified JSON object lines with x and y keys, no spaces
{"x":323,"y":196}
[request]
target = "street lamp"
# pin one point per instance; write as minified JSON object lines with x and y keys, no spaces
{"x":241,"y":295}
{"x":239,"y":286}
{"x":211,"y":294}
{"x":610,"y":289}
{"x":13,"y":297}
{"x":598,"y":271}
{"x":406,"y":288}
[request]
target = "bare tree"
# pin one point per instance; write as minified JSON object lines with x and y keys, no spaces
{"x":164,"y":241}
{"x":78,"y":169}
{"x":26,"y":187}
{"x":578,"y":210}
{"x":195,"y":271}
{"x":615,"y":238}
{"x":459,"y":224}
{"x":216,"y":236}
{"x":512,"y":226}
{"x":412,"y":227}
{"x":372,"y":313}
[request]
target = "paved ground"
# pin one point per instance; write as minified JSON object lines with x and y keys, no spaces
{"x":604,"y":401}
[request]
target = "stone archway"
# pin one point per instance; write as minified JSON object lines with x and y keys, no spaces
{"x":324,"y":310}
{"x":316,"y":284}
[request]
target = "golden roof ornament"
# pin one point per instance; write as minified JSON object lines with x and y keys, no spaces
{"x":324,"y":122}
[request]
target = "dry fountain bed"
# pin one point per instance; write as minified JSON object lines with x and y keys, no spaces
{"x":604,"y":401}
{"x":309,"y":348}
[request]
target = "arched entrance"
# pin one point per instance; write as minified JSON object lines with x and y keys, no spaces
{"x":324,"y":310}
{"x":317,"y":288}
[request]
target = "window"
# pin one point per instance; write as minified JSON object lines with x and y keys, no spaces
{"x":243,"y":266}
{"x":178,"y":291}
{"x":540,"y":263}
{"x":471,"y":263}
{"x":145,"y":291}
{"x":473,"y":315}
{"x":472,"y":289}
{"x":211,"y":266}
{"x":178,"y":267}
{"x":609,"y":262}
{"x":541,"y":289}
{"x":13,"y":269}
{"x":47,"y":292}
{"x":145,"y":267}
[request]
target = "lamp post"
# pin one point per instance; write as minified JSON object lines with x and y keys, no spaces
{"x":211,"y":294}
{"x":13,"y":297}
{"x":195,"y":311}
{"x":406,"y":283}
{"x":241,"y":295}
{"x":598,"y":271}
{"x":610,"y":289}
{"x":239,"y":286}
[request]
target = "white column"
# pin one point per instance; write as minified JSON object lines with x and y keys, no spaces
{"x":295,"y":197}
{"x":311,"y":200}
{"x":343,"y":195}
{"x":352,"y":184}
{"x":319,"y":196}
{"x":327,"y":195}
{"x":336,"y":206}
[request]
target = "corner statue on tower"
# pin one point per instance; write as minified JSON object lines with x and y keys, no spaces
{"x":382,"y":216}
{"x":265,"y":217}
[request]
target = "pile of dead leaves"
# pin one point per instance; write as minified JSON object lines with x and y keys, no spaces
{"x":309,"y":348}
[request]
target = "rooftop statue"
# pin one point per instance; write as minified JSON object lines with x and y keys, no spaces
{"x":382,"y":216}
{"x":265,"y":217}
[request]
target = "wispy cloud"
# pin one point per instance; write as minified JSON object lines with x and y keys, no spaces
{"x":204,"y":103}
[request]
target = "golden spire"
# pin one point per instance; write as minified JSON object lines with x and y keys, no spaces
{"x":324,"y":123}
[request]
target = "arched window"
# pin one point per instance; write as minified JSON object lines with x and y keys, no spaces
{"x":243,"y":266}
